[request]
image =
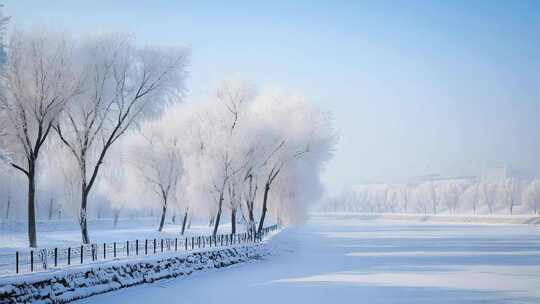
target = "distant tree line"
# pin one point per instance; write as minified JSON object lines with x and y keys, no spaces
{"x":507,"y":196}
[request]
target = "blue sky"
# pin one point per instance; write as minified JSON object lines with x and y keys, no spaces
{"x":416,"y":87}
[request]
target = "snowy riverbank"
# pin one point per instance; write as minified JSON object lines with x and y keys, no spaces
{"x":66,"y":285}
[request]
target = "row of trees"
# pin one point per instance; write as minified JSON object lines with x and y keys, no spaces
{"x":100,"y":118}
{"x":227,"y":154}
{"x":445,"y":196}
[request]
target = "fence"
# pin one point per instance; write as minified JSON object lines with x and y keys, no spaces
{"x":43,"y":259}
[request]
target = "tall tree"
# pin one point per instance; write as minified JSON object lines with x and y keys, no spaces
{"x":532,"y":196}
{"x":159,"y":163}
{"x":489,"y":195}
{"x":39,"y":82}
{"x":123,"y":83}
{"x":512,"y":193}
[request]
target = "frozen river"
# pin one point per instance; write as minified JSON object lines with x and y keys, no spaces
{"x":344,"y":259}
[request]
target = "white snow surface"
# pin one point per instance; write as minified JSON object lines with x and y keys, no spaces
{"x":66,"y":285}
{"x":348,"y":259}
{"x":64,"y":233}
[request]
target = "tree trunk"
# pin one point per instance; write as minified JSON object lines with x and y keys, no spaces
{"x":32,"y":236}
{"x":211,"y":222}
{"x":50,"y":209}
{"x":189,"y":223}
{"x":8,"y":206}
{"x":115,"y":219}
{"x":184,"y":222}
{"x":250,"y":203}
{"x":163,"y":212}
{"x":218,"y":215}
{"x":263,"y":213}
{"x":251,"y":218}
{"x":82,"y":215}
{"x":233,"y":220}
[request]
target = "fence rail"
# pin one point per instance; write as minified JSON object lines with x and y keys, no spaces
{"x":56,"y":258}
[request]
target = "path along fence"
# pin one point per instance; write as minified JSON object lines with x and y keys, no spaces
{"x":55,"y":258}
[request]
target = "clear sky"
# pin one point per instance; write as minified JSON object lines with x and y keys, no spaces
{"x":416,"y":87}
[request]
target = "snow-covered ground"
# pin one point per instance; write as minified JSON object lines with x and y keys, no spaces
{"x":347,"y":259}
{"x":61,"y":234}
{"x":66,"y":232}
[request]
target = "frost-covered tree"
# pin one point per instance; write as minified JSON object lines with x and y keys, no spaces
{"x":434,"y":196}
{"x":405,"y":192}
{"x":39,"y":80}
{"x":532,"y":196}
{"x":490,"y":195}
{"x":512,"y":193}
{"x":117,"y":183}
{"x":236,"y":96}
{"x":5,"y":160}
{"x":293,"y":142}
{"x":157,"y":157}
{"x":3,"y":24}
{"x":123,"y":83}
{"x":239,"y":144}
{"x":464,"y":195}
{"x":471,"y":197}
{"x":452,"y":192}
{"x":423,"y":197}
